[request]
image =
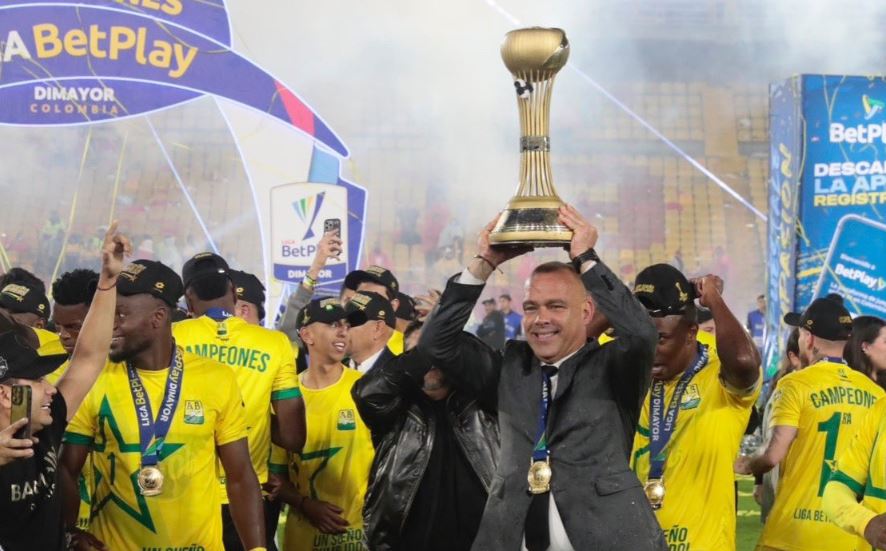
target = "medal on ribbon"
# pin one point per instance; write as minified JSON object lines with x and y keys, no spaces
{"x":539,"y":477}
{"x":662,"y":424}
{"x":152,"y":432}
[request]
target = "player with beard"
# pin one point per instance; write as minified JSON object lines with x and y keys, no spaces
{"x":815,"y":412}
{"x":157,"y":423}
{"x":696,"y":411}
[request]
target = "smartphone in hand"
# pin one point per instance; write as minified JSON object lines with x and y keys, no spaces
{"x":332,"y":224}
{"x":21,"y":408}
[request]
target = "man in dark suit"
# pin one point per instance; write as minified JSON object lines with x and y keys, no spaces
{"x":567,"y":407}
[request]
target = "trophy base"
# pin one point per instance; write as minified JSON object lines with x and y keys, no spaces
{"x":531,"y":221}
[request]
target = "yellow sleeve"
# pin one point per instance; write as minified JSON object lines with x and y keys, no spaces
{"x":840,"y":505}
{"x":231,"y":423}
{"x":83,"y":426}
{"x":285,"y":381}
{"x":853,"y":464}
{"x":279,"y":460}
{"x":787,"y":402}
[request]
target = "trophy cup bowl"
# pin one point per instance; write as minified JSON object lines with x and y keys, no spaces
{"x":533,"y":56}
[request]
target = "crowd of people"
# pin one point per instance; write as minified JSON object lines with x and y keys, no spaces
{"x":164,"y":415}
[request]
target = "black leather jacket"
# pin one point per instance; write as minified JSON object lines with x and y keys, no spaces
{"x":392,"y":404}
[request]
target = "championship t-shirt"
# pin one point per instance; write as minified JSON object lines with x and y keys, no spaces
{"x":210,"y":413}
{"x":826,"y":403}
{"x":857,"y":465}
{"x":29,"y":496}
{"x":264,"y":363}
{"x":332,"y":467}
{"x":698,"y":512}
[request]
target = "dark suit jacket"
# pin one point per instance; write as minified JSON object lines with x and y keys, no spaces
{"x":590,"y":426}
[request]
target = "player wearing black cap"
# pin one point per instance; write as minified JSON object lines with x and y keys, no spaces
{"x":263,"y":361}
{"x":372,"y":323}
{"x":31,"y":500}
{"x":815,"y":412}
{"x":162,"y":419}
{"x":378,"y":279}
{"x":250,"y":304}
{"x":26,"y":304}
{"x":332,"y":471}
{"x":696,"y":410}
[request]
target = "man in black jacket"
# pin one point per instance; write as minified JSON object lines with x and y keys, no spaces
{"x":436,"y":449}
{"x":567,"y":407}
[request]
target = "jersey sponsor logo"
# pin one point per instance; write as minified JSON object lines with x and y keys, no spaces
{"x":194,"y":412}
{"x":347,"y":420}
{"x":691,"y":397}
{"x":352,"y":539}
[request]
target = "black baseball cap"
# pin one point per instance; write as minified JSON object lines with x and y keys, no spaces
{"x":248,"y":287}
{"x":375,"y":274}
{"x":323,"y":310}
{"x":406,"y":310}
{"x":367,"y":306}
{"x":204,"y":265}
{"x":663,"y":290}
{"x":24,"y":299}
{"x":19,"y":358}
{"x":825,"y":318}
{"x":152,"y":278}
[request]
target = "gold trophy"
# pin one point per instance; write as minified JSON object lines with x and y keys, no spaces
{"x":534,"y":56}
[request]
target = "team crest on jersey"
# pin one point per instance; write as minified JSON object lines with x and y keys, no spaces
{"x":691,"y":397}
{"x":193,"y":412}
{"x":347,"y":420}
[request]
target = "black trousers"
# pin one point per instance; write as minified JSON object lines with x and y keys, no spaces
{"x":229,"y":532}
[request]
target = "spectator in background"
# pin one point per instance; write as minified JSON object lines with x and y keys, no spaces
{"x":866,"y":349}
{"x":513,"y":320}
{"x":757,"y":323}
{"x":492,"y":328}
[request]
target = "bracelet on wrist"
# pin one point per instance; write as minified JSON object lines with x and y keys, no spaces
{"x":488,"y":262}
{"x":108,"y":288}
{"x":309,"y":282}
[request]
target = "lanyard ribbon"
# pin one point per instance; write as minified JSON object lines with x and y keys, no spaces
{"x":152,"y":433}
{"x":833,"y":359}
{"x":541,"y":451}
{"x":662,"y":423}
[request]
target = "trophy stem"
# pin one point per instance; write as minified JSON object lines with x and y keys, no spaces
{"x":534,"y":56}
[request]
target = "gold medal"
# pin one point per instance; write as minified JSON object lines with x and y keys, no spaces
{"x":655,"y":492}
{"x":539,"y":477}
{"x":150,"y":481}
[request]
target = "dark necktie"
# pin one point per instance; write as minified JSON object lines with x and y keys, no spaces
{"x":536,"y":529}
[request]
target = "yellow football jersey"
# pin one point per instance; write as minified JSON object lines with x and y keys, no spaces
{"x":333,"y":466}
{"x":825,"y":402}
{"x":209,"y":414}
{"x":856,"y":469}
{"x":264,"y":362}
{"x":698,"y":512}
